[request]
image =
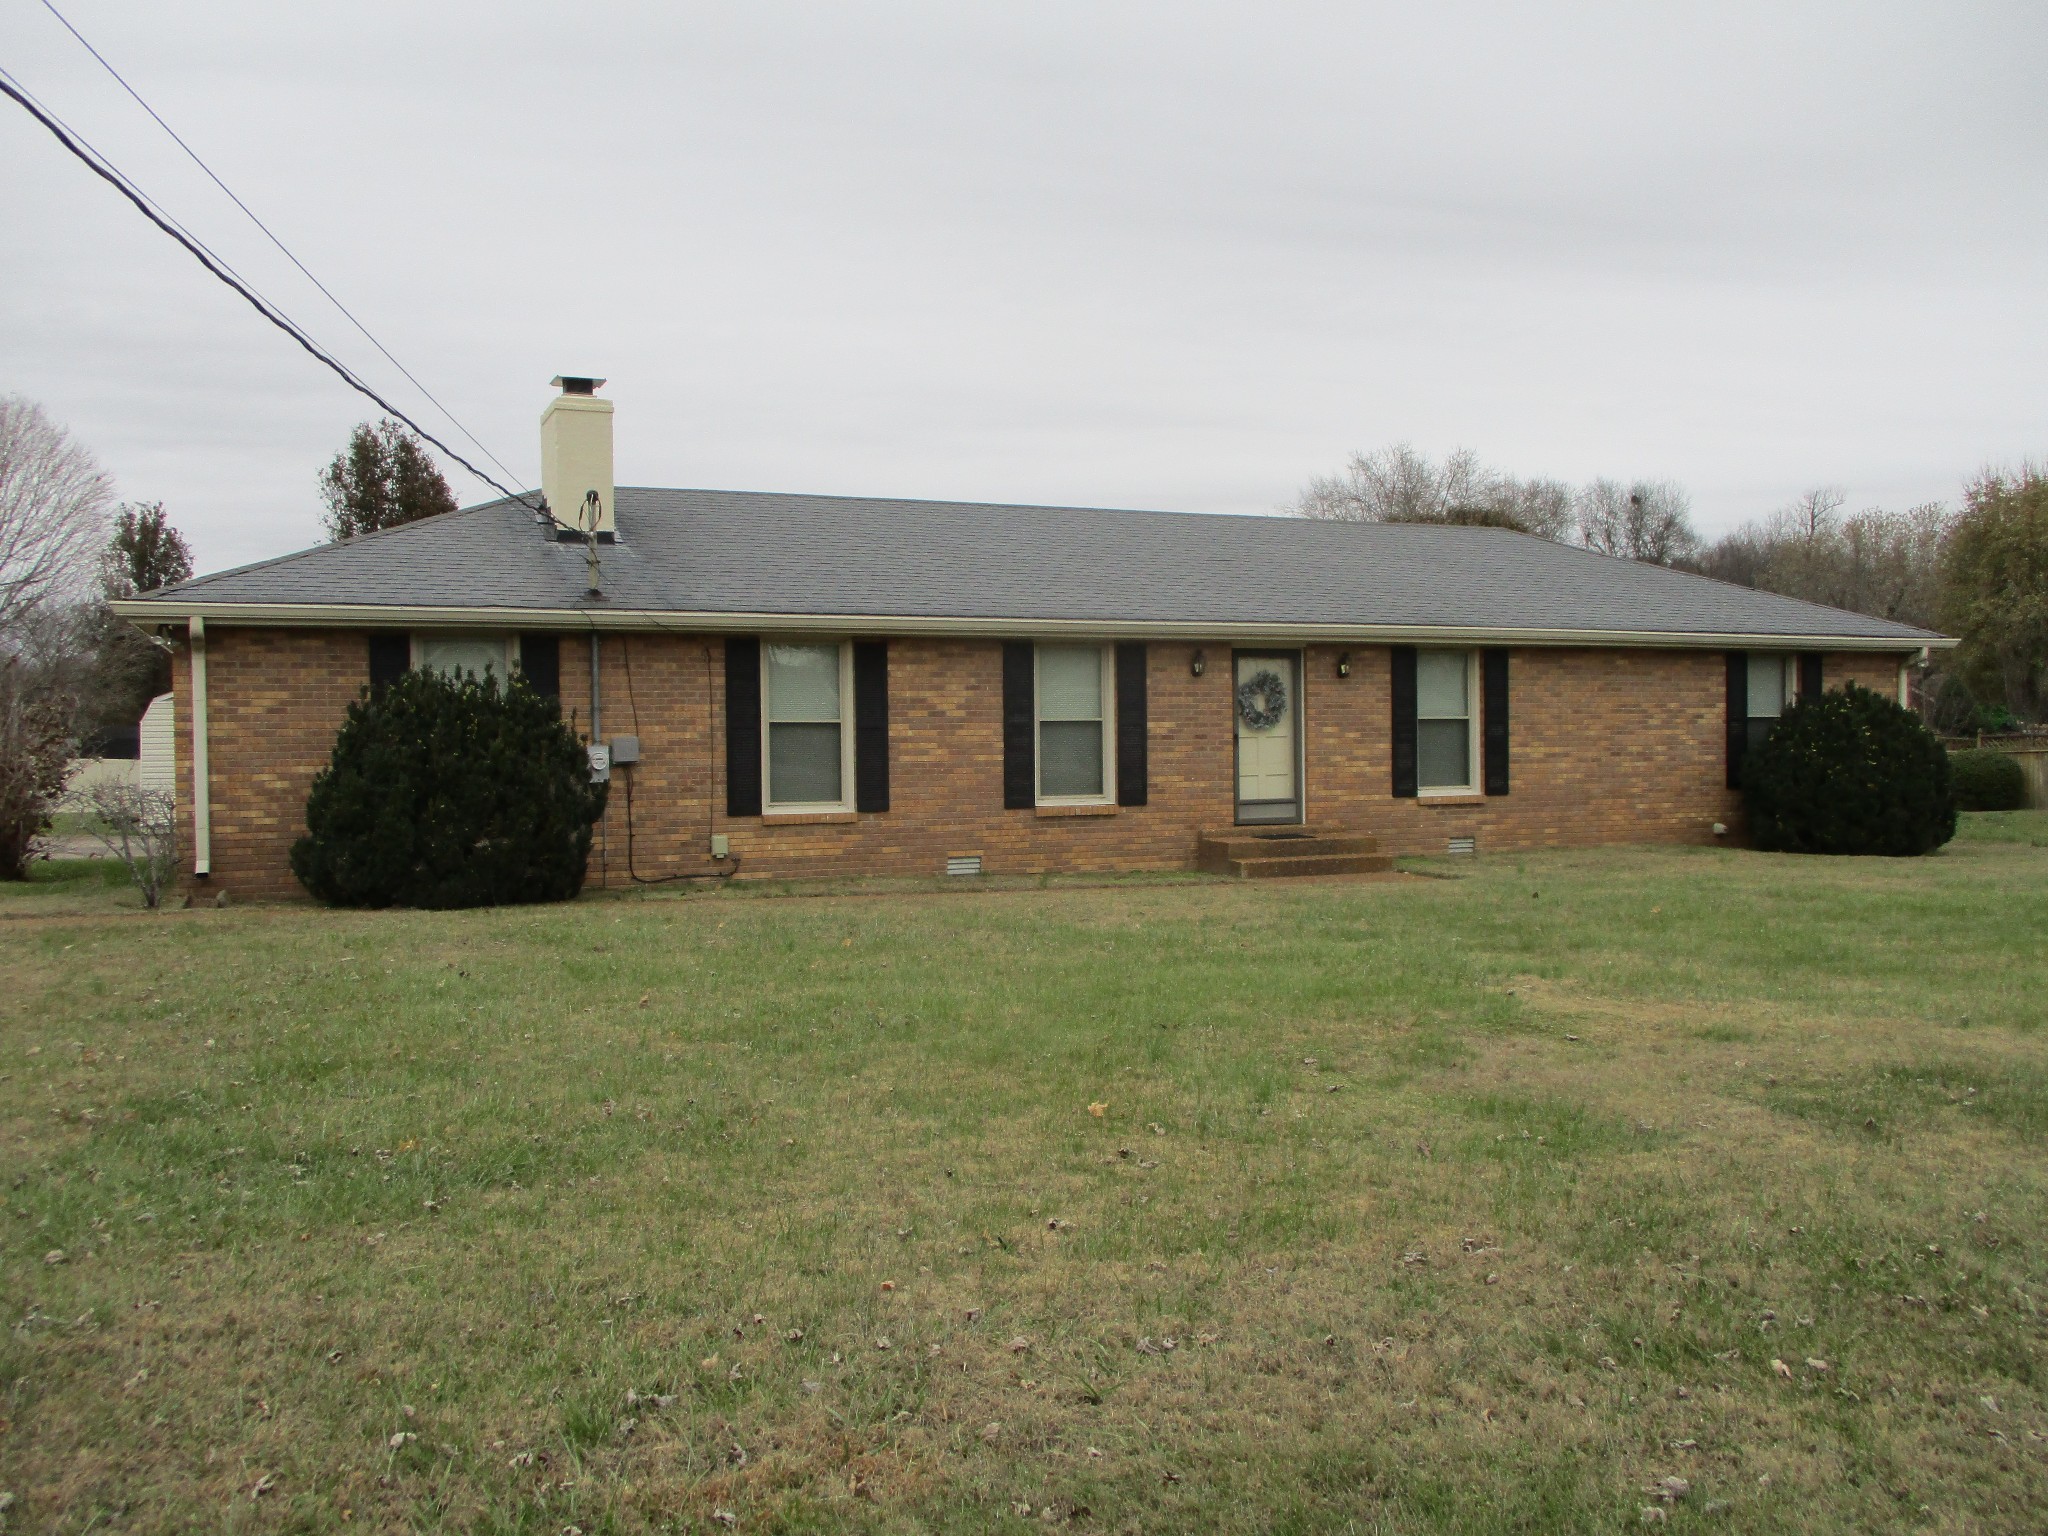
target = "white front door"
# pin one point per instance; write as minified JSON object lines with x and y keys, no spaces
{"x":1268,"y":703}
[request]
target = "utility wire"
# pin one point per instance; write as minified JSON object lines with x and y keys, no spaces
{"x":193,"y":154}
{"x":105,"y":169}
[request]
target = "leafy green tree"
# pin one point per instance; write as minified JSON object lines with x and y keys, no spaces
{"x":144,"y":552}
{"x":1849,"y":771}
{"x":120,"y":668}
{"x":450,"y":793}
{"x":1995,"y":588}
{"x":383,"y":479}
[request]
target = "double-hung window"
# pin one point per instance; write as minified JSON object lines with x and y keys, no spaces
{"x":454,"y":655}
{"x":1446,"y":724}
{"x":805,"y":690}
{"x":1073,"y":690}
{"x":1773,"y":686}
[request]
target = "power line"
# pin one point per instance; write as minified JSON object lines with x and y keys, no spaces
{"x":193,"y":154}
{"x":105,"y":169}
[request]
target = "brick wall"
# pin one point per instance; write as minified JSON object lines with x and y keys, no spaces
{"x":1607,"y":746}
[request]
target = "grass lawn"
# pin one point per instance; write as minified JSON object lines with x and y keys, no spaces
{"x":1483,"y":1203}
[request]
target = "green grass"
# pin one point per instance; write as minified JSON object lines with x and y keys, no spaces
{"x":2029,"y":827}
{"x":1472,"y":1205}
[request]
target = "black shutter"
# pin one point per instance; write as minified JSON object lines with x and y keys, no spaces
{"x":1403,"y":657}
{"x":1020,"y":762}
{"x":390,"y":659}
{"x":1738,"y":715}
{"x":1810,"y":685}
{"x":1133,"y":776}
{"x":742,"y":726}
{"x":540,"y":663}
{"x":871,"y":725}
{"x":1493,"y":689}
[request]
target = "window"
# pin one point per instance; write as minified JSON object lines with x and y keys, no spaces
{"x":457,"y":654}
{"x":1073,"y":692}
{"x":1773,"y":685}
{"x":803,"y":694}
{"x":1444,"y":721}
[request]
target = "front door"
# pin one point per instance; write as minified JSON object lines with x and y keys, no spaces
{"x":1268,"y":702}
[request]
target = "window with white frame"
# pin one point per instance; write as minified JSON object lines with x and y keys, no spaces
{"x":807,"y":746}
{"x":1773,"y":686}
{"x":1072,"y":690}
{"x":1446,"y":724}
{"x":456,"y":655}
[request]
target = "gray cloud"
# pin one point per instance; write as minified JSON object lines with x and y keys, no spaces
{"x":1179,"y":256}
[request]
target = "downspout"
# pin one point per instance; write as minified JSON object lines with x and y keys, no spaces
{"x":202,"y":804}
{"x":596,"y":700}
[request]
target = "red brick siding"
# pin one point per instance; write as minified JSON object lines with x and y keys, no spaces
{"x":1607,"y":746}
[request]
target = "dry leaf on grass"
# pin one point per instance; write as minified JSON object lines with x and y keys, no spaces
{"x":1019,"y":1345}
{"x":1781,"y":1368}
{"x":1098,"y":1110}
{"x":261,"y":1486}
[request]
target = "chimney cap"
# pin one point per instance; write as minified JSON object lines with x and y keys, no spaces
{"x":570,"y":384}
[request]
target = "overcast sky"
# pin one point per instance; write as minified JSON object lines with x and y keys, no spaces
{"x":1180,"y":255}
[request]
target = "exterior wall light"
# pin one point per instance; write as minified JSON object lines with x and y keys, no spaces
{"x":1344,"y":664}
{"x":1198,"y":664}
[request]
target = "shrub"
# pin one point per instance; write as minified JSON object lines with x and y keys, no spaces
{"x":446,"y":793}
{"x":1987,"y":781}
{"x":1849,"y":771}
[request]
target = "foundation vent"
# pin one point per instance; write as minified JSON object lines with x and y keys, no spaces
{"x":1464,"y":845}
{"x":963,"y":863}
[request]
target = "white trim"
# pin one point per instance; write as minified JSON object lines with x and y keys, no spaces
{"x":1106,"y":660}
{"x":202,"y":796}
{"x":152,"y":611}
{"x":1472,"y":744}
{"x":773,"y":807}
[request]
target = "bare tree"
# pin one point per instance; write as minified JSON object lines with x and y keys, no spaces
{"x":1402,"y":485}
{"x":1883,"y":563}
{"x":140,"y":828}
{"x":1647,"y":520}
{"x":53,"y":498}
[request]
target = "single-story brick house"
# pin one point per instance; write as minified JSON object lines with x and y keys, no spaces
{"x":806,"y":685}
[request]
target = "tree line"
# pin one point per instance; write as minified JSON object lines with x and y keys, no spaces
{"x":1978,"y":571}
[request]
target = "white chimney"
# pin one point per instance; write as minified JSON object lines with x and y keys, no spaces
{"x":576,"y":455}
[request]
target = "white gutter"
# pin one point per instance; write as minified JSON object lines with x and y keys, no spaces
{"x":148,"y":611}
{"x":202,"y":798}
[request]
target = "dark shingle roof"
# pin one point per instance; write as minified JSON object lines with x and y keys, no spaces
{"x":734,"y":552}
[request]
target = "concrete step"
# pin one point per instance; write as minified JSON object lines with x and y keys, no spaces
{"x":1255,"y":853}
{"x":1312,"y":864}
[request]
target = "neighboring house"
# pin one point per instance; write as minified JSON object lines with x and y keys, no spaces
{"x":813,"y":685}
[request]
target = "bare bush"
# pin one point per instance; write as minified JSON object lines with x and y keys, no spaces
{"x":140,"y":828}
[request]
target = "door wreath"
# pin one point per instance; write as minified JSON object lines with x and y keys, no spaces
{"x":1262,"y":701}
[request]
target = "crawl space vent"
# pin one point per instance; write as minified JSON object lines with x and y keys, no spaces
{"x":963,"y":864}
{"x":1464,"y":845}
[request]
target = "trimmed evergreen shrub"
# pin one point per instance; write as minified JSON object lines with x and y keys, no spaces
{"x":1849,"y":771}
{"x":445,"y":793}
{"x":1988,"y":781}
